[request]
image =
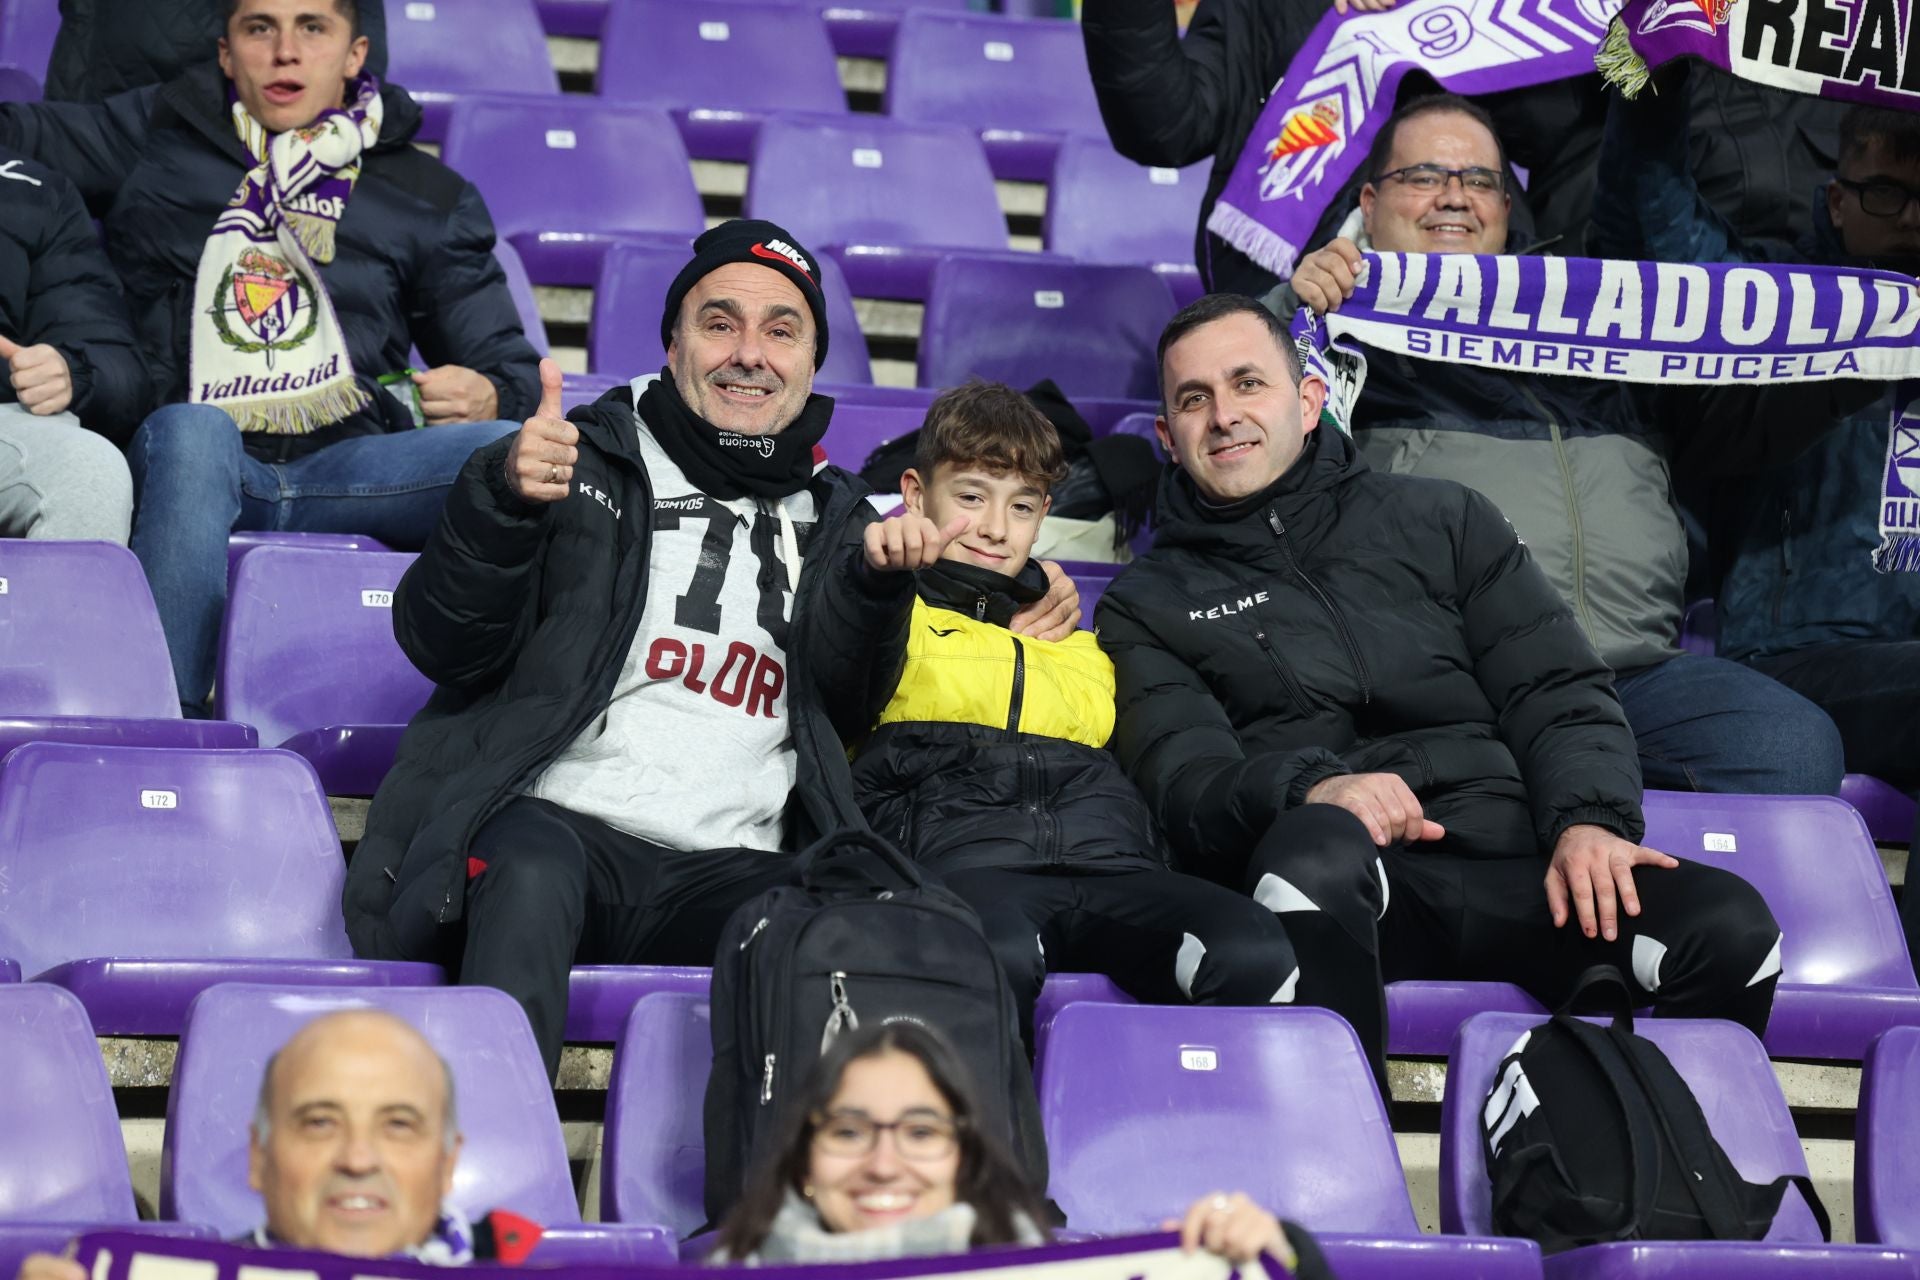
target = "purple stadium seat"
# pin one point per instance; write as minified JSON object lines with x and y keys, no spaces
{"x":866,"y":28}
{"x":18,"y":86}
{"x":9,"y":971}
{"x":243,"y":541}
{"x":66,"y":1167}
{"x":27,"y":30}
{"x":524,"y":302}
{"x":624,"y":338}
{"x":307,"y":657}
{"x":1888,"y":811}
{"x":1886,"y":1142}
{"x":513,"y":1157}
{"x":559,"y":178}
{"x":1020,"y":83}
{"x":1729,"y":1073}
{"x":887,"y":197}
{"x":858,"y":429}
{"x":1698,"y":628}
{"x":1847,"y":975}
{"x":82,"y":657}
{"x":577,"y":389}
{"x":1102,"y":207}
{"x":1101,"y":413}
{"x":443,"y":50}
{"x":136,"y":877}
{"x":655,"y":1155}
{"x":578,"y":19}
{"x":1148,"y":1107}
{"x":601,"y":996}
{"x":1092,"y":329}
{"x":721,"y":66}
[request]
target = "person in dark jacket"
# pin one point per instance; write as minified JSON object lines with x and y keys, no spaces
{"x":1176,"y":101}
{"x":988,"y":763}
{"x":106,"y":47}
{"x":276,"y":300}
{"x":74,"y":386}
{"x":654,"y":629}
{"x":1354,"y":696}
{"x":1580,"y":466}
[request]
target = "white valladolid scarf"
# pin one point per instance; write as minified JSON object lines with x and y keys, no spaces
{"x":267,"y":347}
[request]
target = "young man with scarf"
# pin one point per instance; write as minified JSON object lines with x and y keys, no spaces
{"x":655,"y":630}
{"x":1580,"y":465}
{"x":1803,"y":589}
{"x":1354,"y":696}
{"x":352,"y":1150}
{"x":283,"y":248}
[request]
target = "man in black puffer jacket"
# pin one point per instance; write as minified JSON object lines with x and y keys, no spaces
{"x":1354,"y":696}
{"x":654,"y":629}
{"x":280,"y":312}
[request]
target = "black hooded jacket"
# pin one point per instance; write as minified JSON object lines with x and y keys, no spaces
{"x":1350,"y":621}
{"x":523,"y":614}
{"x":413,"y":264}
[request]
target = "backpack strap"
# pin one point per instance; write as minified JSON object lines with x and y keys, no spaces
{"x":855,"y":861}
{"x":1815,"y":1204}
{"x":1607,"y":980}
{"x":1643,"y":1157}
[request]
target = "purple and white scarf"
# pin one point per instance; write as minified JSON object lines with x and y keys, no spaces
{"x":1320,"y":121}
{"x":1648,"y":322}
{"x":1859,"y":51}
{"x":266,"y":345}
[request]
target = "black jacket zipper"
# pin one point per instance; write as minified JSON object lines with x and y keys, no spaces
{"x":1285,"y":673}
{"x":1339,"y":619}
{"x":1786,"y":563}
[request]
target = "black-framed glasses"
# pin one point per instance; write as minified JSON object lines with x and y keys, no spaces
{"x":1429,"y":178}
{"x":919,"y":1134}
{"x":1882,"y":198}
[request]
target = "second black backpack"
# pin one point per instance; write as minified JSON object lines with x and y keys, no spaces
{"x":1591,"y":1135}
{"x":860,"y":938}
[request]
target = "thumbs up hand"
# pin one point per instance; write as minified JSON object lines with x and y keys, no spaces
{"x":540,"y":459}
{"x":41,"y":380}
{"x":909,"y":542}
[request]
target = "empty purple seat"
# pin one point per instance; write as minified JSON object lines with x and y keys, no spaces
{"x":18,"y":86}
{"x":1729,"y":1073}
{"x":240,"y":542}
{"x":443,"y":50}
{"x":1102,"y":207}
{"x":655,"y":1156}
{"x":137,"y":877}
{"x":82,"y":657}
{"x":1092,"y":329}
{"x":521,"y":287}
{"x":858,"y":429}
{"x":866,"y":28}
{"x":577,"y":19}
{"x":624,"y":338}
{"x":66,"y":1167}
{"x":1148,"y":1107}
{"x":27,"y":31}
{"x":307,"y":656}
{"x":600,"y":997}
{"x":721,"y":66}
{"x":577,"y":389}
{"x":1887,"y":810}
{"x":1020,"y":83}
{"x":1886,"y":1142}
{"x":513,"y":1157}
{"x":886,"y":196}
{"x":563,"y":177}
{"x":1846,"y":973}
{"x":9,"y":971}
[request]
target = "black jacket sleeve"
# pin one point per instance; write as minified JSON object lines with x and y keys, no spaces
{"x":1174,"y":739}
{"x":863,"y":644}
{"x":74,"y":305}
{"x":1164,"y":99}
{"x":94,"y":146}
{"x":1554,"y":698}
{"x":461,"y":313}
{"x":464,"y":608}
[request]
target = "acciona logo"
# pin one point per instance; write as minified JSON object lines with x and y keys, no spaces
{"x":781,"y":249}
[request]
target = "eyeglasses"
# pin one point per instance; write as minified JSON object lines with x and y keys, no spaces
{"x":1429,"y":178}
{"x":918,"y":1135}
{"x":1881,"y":198}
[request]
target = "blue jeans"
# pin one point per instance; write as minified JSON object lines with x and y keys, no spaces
{"x":194,"y":483}
{"x":1706,"y":724}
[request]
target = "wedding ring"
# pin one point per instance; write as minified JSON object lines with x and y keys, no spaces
{"x":1221,"y":1204}
{"x":553,"y":474}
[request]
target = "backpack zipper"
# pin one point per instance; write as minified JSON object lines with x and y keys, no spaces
{"x":842,"y":1018}
{"x":1313,"y":588}
{"x":766,"y":1083}
{"x":758,"y":926}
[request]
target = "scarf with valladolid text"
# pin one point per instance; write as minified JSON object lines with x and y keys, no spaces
{"x":1318,"y":124}
{"x":266,"y":345}
{"x":1646,"y":322}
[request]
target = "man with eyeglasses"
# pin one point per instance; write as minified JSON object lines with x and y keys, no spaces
{"x":1792,"y":546}
{"x":1579,"y":466}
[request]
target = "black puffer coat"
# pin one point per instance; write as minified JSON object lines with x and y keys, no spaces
{"x":413,"y":264}
{"x":56,"y":288}
{"x":523,"y":615}
{"x":1351,"y":621}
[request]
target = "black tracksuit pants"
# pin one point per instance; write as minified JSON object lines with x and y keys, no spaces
{"x":1165,"y":938}
{"x":1703,"y":946}
{"x":548,"y":888}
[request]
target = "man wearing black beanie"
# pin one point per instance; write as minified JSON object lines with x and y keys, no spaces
{"x":656,"y":629}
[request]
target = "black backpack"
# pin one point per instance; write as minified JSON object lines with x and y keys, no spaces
{"x":1590,"y":1135}
{"x":860,"y":938}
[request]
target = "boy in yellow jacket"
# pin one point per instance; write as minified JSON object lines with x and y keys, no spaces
{"x":988,"y":763}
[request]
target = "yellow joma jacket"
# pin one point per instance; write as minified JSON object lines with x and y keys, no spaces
{"x":991,"y":753}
